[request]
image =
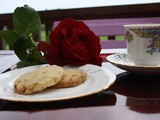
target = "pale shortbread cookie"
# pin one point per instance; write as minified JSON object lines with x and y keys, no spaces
{"x":39,"y":79}
{"x":71,"y":78}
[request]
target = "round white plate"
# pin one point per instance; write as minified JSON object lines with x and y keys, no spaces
{"x":122,"y":61}
{"x":98,"y":79}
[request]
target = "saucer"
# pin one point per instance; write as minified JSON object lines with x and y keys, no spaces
{"x":122,"y":61}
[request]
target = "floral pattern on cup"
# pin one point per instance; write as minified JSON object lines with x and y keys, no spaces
{"x":154,"y":45}
{"x":154,"y":33}
{"x":129,"y":36}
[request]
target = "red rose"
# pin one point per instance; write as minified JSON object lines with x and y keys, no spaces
{"x":72,"y":43}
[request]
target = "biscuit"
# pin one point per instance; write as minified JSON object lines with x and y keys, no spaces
{"x":71,"y":78}
{"x":38,"y":80}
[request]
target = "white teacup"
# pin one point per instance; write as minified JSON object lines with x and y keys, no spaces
{"x":143,"y":43}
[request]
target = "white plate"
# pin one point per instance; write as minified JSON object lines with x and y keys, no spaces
{"x":122,"y":61}
{"x":98,"y":79}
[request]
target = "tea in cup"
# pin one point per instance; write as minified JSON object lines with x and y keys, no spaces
{"x":143,"y":43}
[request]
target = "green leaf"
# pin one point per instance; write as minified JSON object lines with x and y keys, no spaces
{"x":26,"y":21}
{"x":22,"y":64}
{"x":35,"y":55}
{"x":21,"y":48}
{"x":26,"y":63}
{"x":27,"y":51}
{"x":9,"y":36}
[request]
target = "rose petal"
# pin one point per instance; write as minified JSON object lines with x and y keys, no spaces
{"x":72,"y":42}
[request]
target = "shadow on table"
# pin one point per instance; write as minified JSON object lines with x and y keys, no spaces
{"x":142,"y":92}
{"x":104,"y":98}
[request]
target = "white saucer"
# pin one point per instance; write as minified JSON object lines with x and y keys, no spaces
{"x":122,"y":61}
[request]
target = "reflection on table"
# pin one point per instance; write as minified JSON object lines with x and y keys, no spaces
{"x":104,"y":98}
{"x":142,"y":92}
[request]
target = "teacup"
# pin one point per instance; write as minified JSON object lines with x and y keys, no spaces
{"x":143,"y":43}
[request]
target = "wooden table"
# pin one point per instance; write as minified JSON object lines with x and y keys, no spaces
{"x":131,"y":97}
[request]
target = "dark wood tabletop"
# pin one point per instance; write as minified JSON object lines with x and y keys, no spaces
{"x":131,"y":97}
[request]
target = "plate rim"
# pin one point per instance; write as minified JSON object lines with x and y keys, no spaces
{"x":133,"y":65}
{"x":111,"y":80}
